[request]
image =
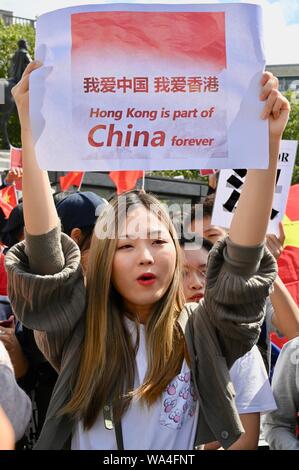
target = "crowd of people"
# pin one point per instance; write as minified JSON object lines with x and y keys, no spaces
{"x":105,"y":333}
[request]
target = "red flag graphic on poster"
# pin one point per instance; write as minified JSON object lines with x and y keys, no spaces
{"x":73,"y":178}
{"x":141,"y":85}
{"x":288,"y":262}
{"x":125,"y":180}
{"x":8,"y":200}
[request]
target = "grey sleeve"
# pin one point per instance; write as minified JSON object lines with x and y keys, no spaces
{"x":13,"y":399}
{"x":280,"y":425}
{"x":269,"y":319}
{"x":238,"y":283}
{"x":44,"y":252}
{"x":46,"y":288}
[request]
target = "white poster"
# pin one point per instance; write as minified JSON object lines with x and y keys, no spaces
{"x":149,"y":87}
{"x":230,"y":184}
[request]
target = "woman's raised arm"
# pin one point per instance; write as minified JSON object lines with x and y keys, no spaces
{"x":250,"y":221}
{"x":39,"y":210}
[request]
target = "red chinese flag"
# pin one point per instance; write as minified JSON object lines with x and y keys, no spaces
{"x":288,"y":262}
{"x":16,"y":162}
{"x":73,"y":178}
{"x":15,"y":157}
{"x":207,"y":172}
{"x":8,"y":200}
{"x":18,"y":185}
{"x":3,"y":276}
{"x":125,"y":180}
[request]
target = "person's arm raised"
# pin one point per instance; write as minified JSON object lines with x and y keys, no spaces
{"x":250,"y":221}
{"x":285,"y":316}
{"x":45,"y":280}
{"x":39,"y":210}
{"x":240,"y":272}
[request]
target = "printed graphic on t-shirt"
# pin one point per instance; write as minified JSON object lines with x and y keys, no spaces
{"x":178,"y":402}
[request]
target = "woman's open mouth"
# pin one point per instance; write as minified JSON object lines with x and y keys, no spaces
{"x":146,"y":279}
{"x":195,"y":298}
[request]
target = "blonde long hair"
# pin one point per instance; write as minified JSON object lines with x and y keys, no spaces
{"x":107,"y":366}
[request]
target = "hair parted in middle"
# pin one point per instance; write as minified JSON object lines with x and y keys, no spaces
{"x":107,"y":365}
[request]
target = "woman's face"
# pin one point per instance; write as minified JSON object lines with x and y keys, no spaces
{"x":203,"y":227}
{"x":194,"y":274}
{"x":144,"y":263}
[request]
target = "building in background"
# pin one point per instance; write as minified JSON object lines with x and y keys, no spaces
{"x":288,"y":76}
{"x":8,"y":18}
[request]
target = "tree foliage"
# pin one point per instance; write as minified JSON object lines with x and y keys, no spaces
{"x":9,"y":37}
{"x":292,"y":132}
{"x":186,"y":174}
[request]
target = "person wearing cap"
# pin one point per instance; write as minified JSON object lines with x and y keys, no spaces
{"x":78,"y":213}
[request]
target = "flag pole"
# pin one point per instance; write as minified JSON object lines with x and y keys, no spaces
{"x":15,"y":190}
{"x":143,"y":182}
{"x":79,"y":187}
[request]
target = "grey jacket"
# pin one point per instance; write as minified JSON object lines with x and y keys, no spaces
{"x":280,"y":425}
{"x":13,"y":399}
{"x":47,"y":292}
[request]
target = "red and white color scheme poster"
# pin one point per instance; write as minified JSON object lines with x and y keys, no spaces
{"x":144,"y":87}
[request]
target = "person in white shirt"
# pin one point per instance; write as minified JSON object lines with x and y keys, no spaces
{"x":248,"y":374}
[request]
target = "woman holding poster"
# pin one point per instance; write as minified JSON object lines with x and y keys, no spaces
{"x":137,"y":369}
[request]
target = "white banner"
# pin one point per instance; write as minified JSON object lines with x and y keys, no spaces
{"x":230,"y":184}
{"x":148,"y":87}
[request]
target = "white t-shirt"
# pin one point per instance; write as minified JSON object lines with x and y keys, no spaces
{"x":169,"y":424}
{"x":252,"y":386}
